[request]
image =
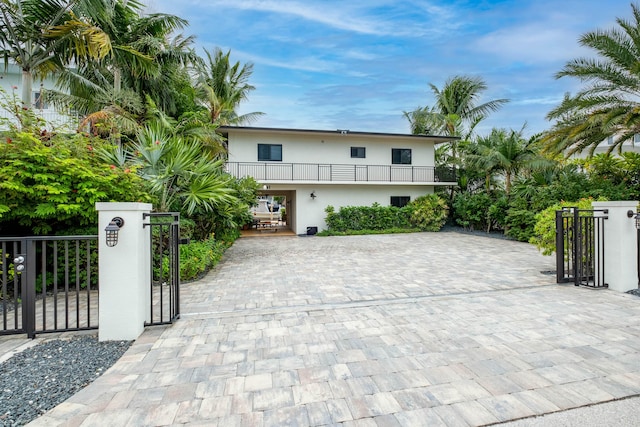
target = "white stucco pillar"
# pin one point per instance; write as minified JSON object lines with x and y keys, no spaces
{"x":620,"y":245}
{"x":124,"y":272}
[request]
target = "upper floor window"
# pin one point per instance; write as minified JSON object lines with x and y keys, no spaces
{"x":610,"y":140}
{"x":636,"y":138}
{"x":401,"y":156}
{"x":400,"y":201}
{"x":358,"y":152}
{"x":269,"y":152}
{"x":39,"y":101}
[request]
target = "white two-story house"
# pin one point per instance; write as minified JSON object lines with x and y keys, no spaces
{"x":313,"y":169}
{"x":11,"y":83}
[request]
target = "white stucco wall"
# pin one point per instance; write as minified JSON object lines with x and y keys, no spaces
{"x":310,"y":212}
{"x":12,"y":77}
{"x":329,"y":148}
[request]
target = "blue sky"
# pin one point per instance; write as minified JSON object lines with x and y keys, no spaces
{"x":358,"y":64}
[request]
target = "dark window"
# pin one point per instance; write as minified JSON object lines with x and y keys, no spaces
{"x":400,"y":201}
{"x":269,"y":152}
{"x":39,"y":102}
{"x":401,"y":156}
{"x":358,"y":152}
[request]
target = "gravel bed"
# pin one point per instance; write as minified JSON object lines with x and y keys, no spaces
{"x":43,"y":376}
{"x":635,"y":292}
{"x":457,"y":229}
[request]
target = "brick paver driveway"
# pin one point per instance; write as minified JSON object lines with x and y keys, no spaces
{"x":418,"y":330}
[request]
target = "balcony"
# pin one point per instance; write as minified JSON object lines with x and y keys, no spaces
{"x":52,"y":118}
{"x":311,"y":172}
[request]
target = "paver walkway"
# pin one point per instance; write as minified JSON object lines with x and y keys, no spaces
{"x":414,"y":330}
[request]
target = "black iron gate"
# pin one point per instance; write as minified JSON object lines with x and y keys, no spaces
{"x":48,"y":284}
{"x":580,"y":246}
{"x":165,"y":267}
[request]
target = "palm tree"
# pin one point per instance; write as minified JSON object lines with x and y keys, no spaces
{"x":141,"y":44}
{"x":459,"y":98}
{"x":171,"y":89}
{"x":508,"y":153}
{"x":111,"y":93}
{"x":456,"y":111}
{"x":223,"y":87}
{"x":44,"y":36}
{"x":607,"y":106}
{"x":422,"y":121}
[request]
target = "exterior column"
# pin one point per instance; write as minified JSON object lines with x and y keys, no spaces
{"x":124,"y":272}
{"x":620,"y":245}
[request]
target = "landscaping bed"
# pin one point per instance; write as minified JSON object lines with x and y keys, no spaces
{"x":41,"y":377}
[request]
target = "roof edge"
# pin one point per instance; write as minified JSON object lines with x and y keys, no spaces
{"x":438,"y":138}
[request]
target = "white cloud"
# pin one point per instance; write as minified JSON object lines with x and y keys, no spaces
{"x":532,"y":43}
{"x":337,"y":15}
{"x":396,"y":19}
{"x":307,"y":63}
{"x":360,"y":55}
{"x":545,"y":100}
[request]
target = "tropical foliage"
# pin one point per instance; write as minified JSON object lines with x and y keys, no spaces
{"x":545,"y":228}
{"x":52,"y":187}
{"x":150,"y":108}
{"x":43,"y":37}
{"x":223,"y":86}
{"x":505,"y":179}
{"x":428,"y":212}
{"x":607,"y":105}
{"x":457,"y":110}
{"x":507,"y":153}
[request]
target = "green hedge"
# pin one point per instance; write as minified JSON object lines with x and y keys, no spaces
{"x":375,"y":217}
{"x":426,"y":213}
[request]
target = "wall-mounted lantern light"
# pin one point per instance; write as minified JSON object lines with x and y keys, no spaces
{"x":313,"y":195}
{"x":636,"y":217}
{"x":112,"y":231}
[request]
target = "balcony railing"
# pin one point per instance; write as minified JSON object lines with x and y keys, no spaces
{"x":52,"y":118}
{"x":276,"y":171}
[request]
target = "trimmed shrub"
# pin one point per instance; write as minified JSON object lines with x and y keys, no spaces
{"x":428,"y":213}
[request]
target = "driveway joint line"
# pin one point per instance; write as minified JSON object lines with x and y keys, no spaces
{"x":350,"y":304}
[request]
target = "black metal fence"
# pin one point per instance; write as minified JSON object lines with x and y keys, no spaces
{"x":48,"y":284}
{"x":277,"y":171}
{"x":580,"y":246}
{"x":165,"y":267}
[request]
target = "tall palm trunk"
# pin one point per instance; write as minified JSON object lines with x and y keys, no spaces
{"x":27,"y":87}
{"x":117,"y":86}
{"x":117,"y":79}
